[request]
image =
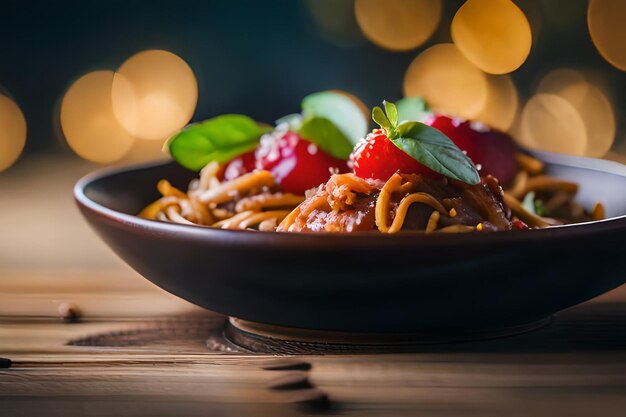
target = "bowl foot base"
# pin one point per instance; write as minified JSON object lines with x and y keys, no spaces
{"x":267,"y":338}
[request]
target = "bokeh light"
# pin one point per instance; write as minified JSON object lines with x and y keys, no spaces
{"x":144,"y":150}
{"x":502,"y":103}
{"x":447,"y":81}
{"x":12,"y":132}
{"x":88,"y":122}
{"x":493,"y":34}
{"x":551,"y":123}
{"x":154,"y":94}
{"x":597,"y":114}
{"x":555,"y":81}
{"x":593,"y":106}
{"x":606,"y":20}
{"x":534,"y":13}
{"x":398,"y":25}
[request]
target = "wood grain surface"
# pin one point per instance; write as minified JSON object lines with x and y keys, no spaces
{"x":148,"y":356}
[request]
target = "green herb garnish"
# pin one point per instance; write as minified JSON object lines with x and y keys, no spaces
{"x":412,"y":108}
{"x":340,"y":110}
{"x":333,"y":122}
{"x":426,"y":145}
{"x":329,"y":119}
{"x":219,"y":139}
{"x":533,"y":205}
{"x":327,"y":136}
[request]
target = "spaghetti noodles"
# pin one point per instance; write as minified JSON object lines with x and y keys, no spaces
{"x":348,"y":203}
{"x":252,"y":200}
{"x":404,"y":202}
{"x":415,"y":202}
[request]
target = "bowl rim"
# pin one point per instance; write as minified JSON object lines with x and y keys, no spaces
{"x":338,"y":240}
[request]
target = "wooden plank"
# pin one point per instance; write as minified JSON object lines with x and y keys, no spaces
{"x":558,"y":372}
{"x":135,"y":406}
{"x":97,"y":293}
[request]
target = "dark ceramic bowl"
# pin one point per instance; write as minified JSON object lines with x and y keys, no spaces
{"x":406,"y":282}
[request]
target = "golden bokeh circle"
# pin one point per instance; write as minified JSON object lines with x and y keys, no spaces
{"x":447,"y":81}
{"x":502,"y":103}
{"x":155,"y":93}
{"x":144,"y":150}
{"x":606,"y":21}
{"x":12,"y":132}
{"x":533,"y":10}
{"x":398,"y":25}
{"x":88,"y":122}
{"x":597,"y":113}
{"x":555,"y":81}
{"x":551,"y":123}
{"x":493,"y":34}
{"x":593,"y":106}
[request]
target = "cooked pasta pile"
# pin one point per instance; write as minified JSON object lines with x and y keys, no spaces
{"x":348,"y":203}
{"x":541,"y":201}
{"x":414,"y":202}
{"x":253,"y":200}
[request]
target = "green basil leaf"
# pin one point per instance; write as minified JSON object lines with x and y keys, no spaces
{"x":529,"y":202}
{"x":340,"y":110}
{"x":412,"y":108}
{"x":540,"y":210}
{"x":392,"y":112}
{"x":220,"y":139}
{"x":325,"y":134}
{"x":432,"y":148}
{"x":379,"y":116}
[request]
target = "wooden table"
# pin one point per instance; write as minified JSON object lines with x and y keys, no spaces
{"x":140,"y":351}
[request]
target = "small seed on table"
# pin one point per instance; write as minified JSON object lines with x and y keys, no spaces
{"x":5,"y":363}
{"x":69,"y":312}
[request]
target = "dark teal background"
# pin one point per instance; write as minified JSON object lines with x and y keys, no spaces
{"x":252,"y":57}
